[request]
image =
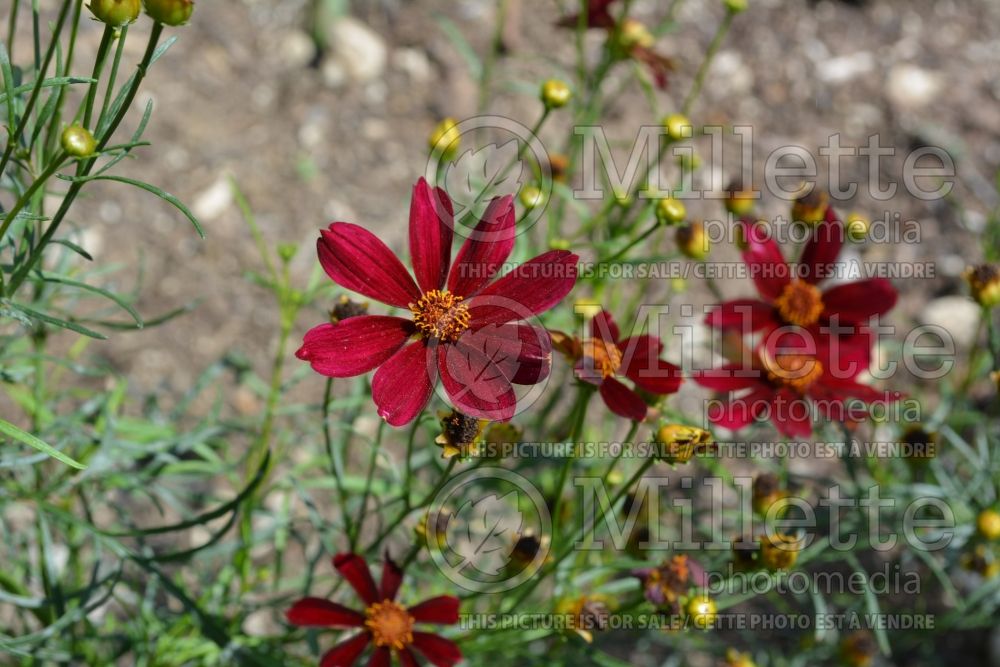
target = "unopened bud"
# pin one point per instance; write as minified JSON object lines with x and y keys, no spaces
{"x":555,"y":94}
{"x":984,"y":284}
{"x":531,"y":196}
{"x":678,"y":126}
{"x":735,"y":6}
{"x":692,"y":240}
{"x":702,"y":611}
{"x":670,"y":211}
{"x":169,"y":12}
{"x":115,"y":13}
{"x":445,"y":139}
{"x":77,"y":141}
{"x":857,"y":227}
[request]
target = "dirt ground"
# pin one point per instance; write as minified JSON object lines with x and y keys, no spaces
{"x":243,"y":93}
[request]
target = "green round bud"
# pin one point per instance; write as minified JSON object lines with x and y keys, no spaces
{"x":678,"y":126}
{"x":77,"y":141}
{"x":287,"y":251}
{"x":115,"y":13}
{"x":555,"y":94}
{"x":735,"y":6}
{"x":531,"y":196}
{"x":169,"y":12}
{"x":857,"y":227}
{"x":445,"y":139}
{"x":560,"y":244}
{"x":670,"y":211}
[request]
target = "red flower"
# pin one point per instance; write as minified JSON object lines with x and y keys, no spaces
{"x":788,"y":384}
{"x":384,"y":622}
{"x":603,"y":357}
{"x":468,"y":326}
{"x":790,"y":294}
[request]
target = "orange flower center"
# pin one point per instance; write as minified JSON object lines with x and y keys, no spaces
{"x":796,"y":371}
{"x":440,"y":314}
{"x":800,"y":303}
{"x":607,"y":357}
{"x":390,"y":624}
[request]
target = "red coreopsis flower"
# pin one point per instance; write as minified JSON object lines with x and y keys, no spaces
{"x":790,"y":294}
{"x":634,"y":39}
{"x":384,"y":622}
{"x":465,"y":324}
{"x":790,"y":383}
{"x":603,"y":357}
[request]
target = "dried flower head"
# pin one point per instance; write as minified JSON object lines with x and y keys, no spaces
{"x":984,"y":284}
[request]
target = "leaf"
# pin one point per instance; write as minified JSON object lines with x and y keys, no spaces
{"x":14,"y":432}
{"x":56,"y":322}
{"x":490,"y":532}
{"x":477,"y":176}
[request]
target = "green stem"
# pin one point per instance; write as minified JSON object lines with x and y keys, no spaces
{"x":614,"y":462}
{"x":551,"y":567}
{"x":337,"y":471}
{"x":579,"y":416}
{"x":424,"y":502}
{"x":67,"y":69}
{"x":30,"y":192}
{"x":113,"y":78}
{"x":713,"y":48}
{"x":13,"y":139}
{"x":368,"y":488}
{"x":636,"y":241}
{"x":102,"y":54}
{"x":22,"y":273}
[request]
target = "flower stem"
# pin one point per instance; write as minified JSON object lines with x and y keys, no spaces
{"x":713,"y":48}
{"x":579,"y":416}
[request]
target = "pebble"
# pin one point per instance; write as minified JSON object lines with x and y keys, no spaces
{"x":957,"y":315}
{"x":911,"y":87}
{"x":215,"y":200}
{"x":358,"y":49}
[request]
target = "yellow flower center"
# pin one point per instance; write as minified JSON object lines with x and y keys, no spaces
{"x":607,"y":357}
{"x":800,"y":303}
{"x":440,"y":314}
{"x":390,"y":624}
{"x":796,"y":371}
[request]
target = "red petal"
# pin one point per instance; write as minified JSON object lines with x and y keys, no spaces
{"x":355,"y":345}
{"x":640,"y":349}
{"x":856,"y":303}
{"x":739,"y":412}
{"x":357,"y":260}
{"x":791,"y":414}
{"x":442,"y":609}
{"x":382,"y":657}
{"x":743,"y":314}
{"x":440,"y":651}
{"x":323,"y":613}
{"x":604,"y":328}
{"x":407,"y":659}
{"x":346,"y":653}
{"x":655,"y":376}
{"x":768,"y":269}
{"x":431,"y":228}
{"x":402,"y":385}
{"x":820,"y":252}
{"x":531,"y":288}
{"x":354,"y":569}
{"x":730,"y":377}
{"x":622,"y":400}
{"x":392,"y":577}
{"x":487,"y":248}
{"x":475,"y":384}
{"x":522,"y":351}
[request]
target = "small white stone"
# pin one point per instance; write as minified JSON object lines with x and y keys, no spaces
{"x":414,"y":63}
{"x":214,"y":200}
{"x":958,"y":315}
{"x":845,"y":68}
{"x":911,"y":86}
{"x":360,"y":50}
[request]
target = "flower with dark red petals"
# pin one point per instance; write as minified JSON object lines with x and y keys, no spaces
{"x":788,"y":383}
{"x":384,"y":623}
{"x":790,"y":294}
{"x":465,"y":326}
{"x":603,"y":357}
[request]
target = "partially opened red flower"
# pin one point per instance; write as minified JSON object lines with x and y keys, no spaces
{"x":603,"y":357}
{"x":384,"y":622}
{"x":791,"y":384}
{"x":790,"y":294}
{"x":465,"y":325}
